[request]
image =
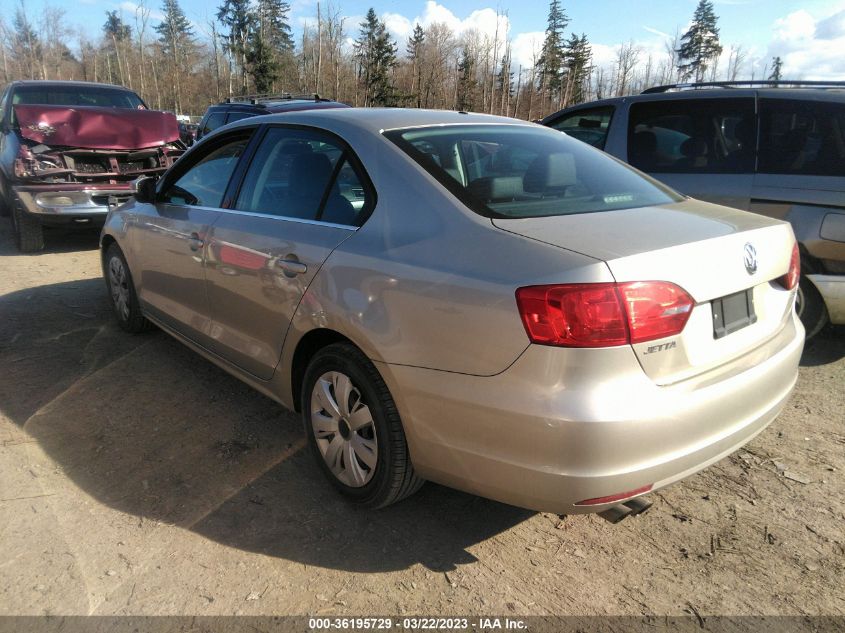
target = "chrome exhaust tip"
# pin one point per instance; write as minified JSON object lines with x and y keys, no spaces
{"x":638,"y":505}
{"x":616,"y":513}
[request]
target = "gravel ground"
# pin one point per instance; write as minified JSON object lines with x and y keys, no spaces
{"x":139,"y":479}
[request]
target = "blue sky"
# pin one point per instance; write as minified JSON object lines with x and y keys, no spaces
{"x":809,"y":34}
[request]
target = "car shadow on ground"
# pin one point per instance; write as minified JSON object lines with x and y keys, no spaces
{"x":147,"y":427}
{"x":57,"y":240}
{"x":828,"y":346}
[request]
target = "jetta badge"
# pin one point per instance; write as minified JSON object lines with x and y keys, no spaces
{"x":750,"y":258}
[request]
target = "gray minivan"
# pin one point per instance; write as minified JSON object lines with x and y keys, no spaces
{"x":775,"y":148}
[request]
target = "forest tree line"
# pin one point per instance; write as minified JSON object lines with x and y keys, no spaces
{"x":248,"y":47}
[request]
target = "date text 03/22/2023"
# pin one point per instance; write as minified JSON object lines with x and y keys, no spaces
{"x":416,"y":624}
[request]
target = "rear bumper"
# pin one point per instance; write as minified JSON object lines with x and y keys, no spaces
{"x":68,"y":203}
{"x":561,"y":426}
{"x":832,"y":290}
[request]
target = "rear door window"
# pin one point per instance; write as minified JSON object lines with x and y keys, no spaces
{"x":306,"y":175}
{"x":214,"y":121}
{"x":590,"y":126}
{"x":689,"y":136}
{"x":237,"y":116}
{"x":802,"y":137}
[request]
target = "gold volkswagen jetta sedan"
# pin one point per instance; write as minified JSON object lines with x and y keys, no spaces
{"x":466,"y":299}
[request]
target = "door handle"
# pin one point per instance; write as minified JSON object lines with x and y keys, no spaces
{"x":195,"y":242}
{"x":292,"y":267}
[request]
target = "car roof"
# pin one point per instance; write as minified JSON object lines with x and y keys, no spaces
{"x":61,"y":82}
{"x":377,"y":120}
{"x":301,"y":104}
{"x":280,"y":105}
{"x":797,"y":94}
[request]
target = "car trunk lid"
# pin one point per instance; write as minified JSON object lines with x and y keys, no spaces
{"x":701,"y":248}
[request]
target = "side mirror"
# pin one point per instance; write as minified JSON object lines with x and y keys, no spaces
{"x":144,"y":188}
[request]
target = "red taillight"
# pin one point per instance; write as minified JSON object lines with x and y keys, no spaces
{"x":655,"y":309}
{"x":603,"y":314}
{"x":790,"y":279}
{"x":573,"y":315}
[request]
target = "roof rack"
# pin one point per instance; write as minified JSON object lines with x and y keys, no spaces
{"x":280,"y":96}
{"x":782,"y":83}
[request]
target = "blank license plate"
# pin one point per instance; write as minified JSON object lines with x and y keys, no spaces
{"x":732,"y":313}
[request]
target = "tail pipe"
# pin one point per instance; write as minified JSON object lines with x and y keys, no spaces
{"x":615,"y":514}
{"x":632,"y":507}
{"x":638,"y":505}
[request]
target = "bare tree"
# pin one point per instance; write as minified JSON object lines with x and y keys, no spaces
{"x":627,"y":56}
{"x":142,"y":16}
{"x":736,"y":60}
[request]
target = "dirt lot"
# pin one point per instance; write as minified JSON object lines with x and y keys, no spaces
{"x":139,"y":479}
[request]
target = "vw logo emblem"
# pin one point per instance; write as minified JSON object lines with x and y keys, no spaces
{"x":750,"y":258}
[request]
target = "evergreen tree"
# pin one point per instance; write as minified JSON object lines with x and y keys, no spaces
{"x":777,"y":68}
{"x":236,"y":16}
{"x":28,"y":50}
{"x":578,"y":60}
{"x":270,"y":44}
{"x":414,"y":50}
{"x":504,"y":78}
{"x":117,"y":33}
{"x":700,"y":44}
{"x":550,"y":64}
{"x":263,"y":66}
{"x":115,"y":29}
{"x":375,"y":53}
{"x":467,"y":84}
{"x":175,"y":31}
{"x":273,"y":21}
{"x":178,"y":40}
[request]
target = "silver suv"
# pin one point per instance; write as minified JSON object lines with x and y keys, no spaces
{"x":775,"y":148}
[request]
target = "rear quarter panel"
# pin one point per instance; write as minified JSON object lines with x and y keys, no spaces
{"x":426,"y":282}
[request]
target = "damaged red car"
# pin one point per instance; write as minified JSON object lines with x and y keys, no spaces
{"x":70,"y":149}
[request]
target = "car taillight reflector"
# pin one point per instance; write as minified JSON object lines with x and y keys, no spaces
{"x":622,"y":496}
{"x":603,"y":314}
{"x":790,"y":279}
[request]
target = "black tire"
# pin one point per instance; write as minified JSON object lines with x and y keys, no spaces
{"x":810,"y":307}
{"x":393,"y":477}
{"x":126,"y":307}
{"x":4,"y":199}
{"x":29,"y":234}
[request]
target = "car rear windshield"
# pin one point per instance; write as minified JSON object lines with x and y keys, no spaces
{"x":76,"y":96}
{"x":517,"y":171}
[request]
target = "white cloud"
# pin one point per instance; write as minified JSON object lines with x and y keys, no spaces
{"x":831,"y":28}
{"x":656,"y":32}
{"x":132,"y":8}
{"x":795,"y":26}
{"x":811,"y":46}
{"x":482,"y":20}
{"x":810,"y":43}
{"x":399,"y":26}
{"x":525,"y":48}
{"x":603,"y":55}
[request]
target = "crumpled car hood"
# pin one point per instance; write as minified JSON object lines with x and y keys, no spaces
{"x":92,"y":127}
